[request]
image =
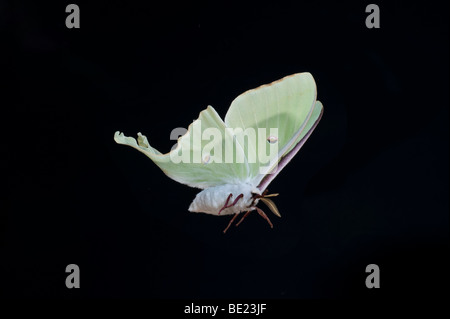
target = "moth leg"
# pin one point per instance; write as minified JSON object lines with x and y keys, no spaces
{"x":263,"y":215}
{"x":237,"y":198}
{"x":245,"y":215}
{"x":231,"y":222}
{"x":228,"y":199}
{"x":226,"y":203}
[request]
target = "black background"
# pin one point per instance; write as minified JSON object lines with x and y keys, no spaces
{"x":369,"y":186}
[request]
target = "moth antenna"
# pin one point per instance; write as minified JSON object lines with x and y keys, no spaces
{"x":271,"y":206}
{"x":271,"y":195}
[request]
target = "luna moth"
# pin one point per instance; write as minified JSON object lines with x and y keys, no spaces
{"x":233,"y":181}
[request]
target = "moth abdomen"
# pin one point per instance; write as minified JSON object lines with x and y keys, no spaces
{"x":225,"y":199}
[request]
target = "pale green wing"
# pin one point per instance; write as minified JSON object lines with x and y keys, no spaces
{"x":310,"y":125}
{"x":199,"y":159}
{"x":264,"y":180}
{"x":284,"y":105}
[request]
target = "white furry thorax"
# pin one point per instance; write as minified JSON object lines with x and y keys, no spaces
{"x":212,"y":199}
